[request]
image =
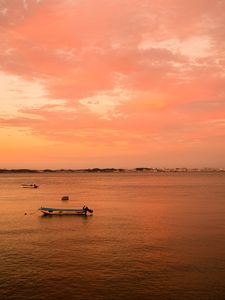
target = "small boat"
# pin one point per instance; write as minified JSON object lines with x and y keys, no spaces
{"x":65,"y":198}
{"x":66,"y":211}
{"x":32,"y":186}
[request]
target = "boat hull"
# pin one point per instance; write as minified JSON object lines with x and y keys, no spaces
{"x":30,"y":186}
{"x":63,"y":211}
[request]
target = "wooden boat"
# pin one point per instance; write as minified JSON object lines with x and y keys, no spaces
{"x":32,"y":186}
{"x":65,"y":198}
{"x":66,"y":211}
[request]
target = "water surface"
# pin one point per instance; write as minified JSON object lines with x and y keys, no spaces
{"x":152,"y":236}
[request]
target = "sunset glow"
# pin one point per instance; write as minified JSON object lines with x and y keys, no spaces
{"x":112,"y":83}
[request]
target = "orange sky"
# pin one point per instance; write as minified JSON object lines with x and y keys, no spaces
{"x":112,"y":83}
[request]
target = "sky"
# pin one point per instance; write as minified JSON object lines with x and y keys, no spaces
{"x":112,"y":83}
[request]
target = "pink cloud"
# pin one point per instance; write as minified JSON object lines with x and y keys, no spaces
{"x":149,"y":50}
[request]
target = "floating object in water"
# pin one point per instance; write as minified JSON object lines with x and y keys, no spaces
{"x":32,"y":186}
{"x":65,"y":198}
{"x":66,"y":211}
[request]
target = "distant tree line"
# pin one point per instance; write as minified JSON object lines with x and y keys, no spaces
{"x":108,"y":170}
{"x":18,"y":171}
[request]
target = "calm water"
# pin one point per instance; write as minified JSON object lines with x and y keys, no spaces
{"x":152,"y":236}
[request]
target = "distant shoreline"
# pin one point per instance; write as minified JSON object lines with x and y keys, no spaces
{"x":113,"y":170}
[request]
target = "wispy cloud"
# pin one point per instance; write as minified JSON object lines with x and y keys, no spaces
{"x":117,"y":72}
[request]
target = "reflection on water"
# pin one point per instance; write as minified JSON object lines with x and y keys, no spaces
{"x":152,"y":236}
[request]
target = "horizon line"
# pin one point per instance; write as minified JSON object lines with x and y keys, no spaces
{"x":95,"y":170}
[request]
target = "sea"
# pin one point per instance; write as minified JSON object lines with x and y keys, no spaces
{"x":151,"y":236}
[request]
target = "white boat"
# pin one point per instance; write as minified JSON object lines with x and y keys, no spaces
{"x":32,"y":186}
{"x":65,"y":211}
